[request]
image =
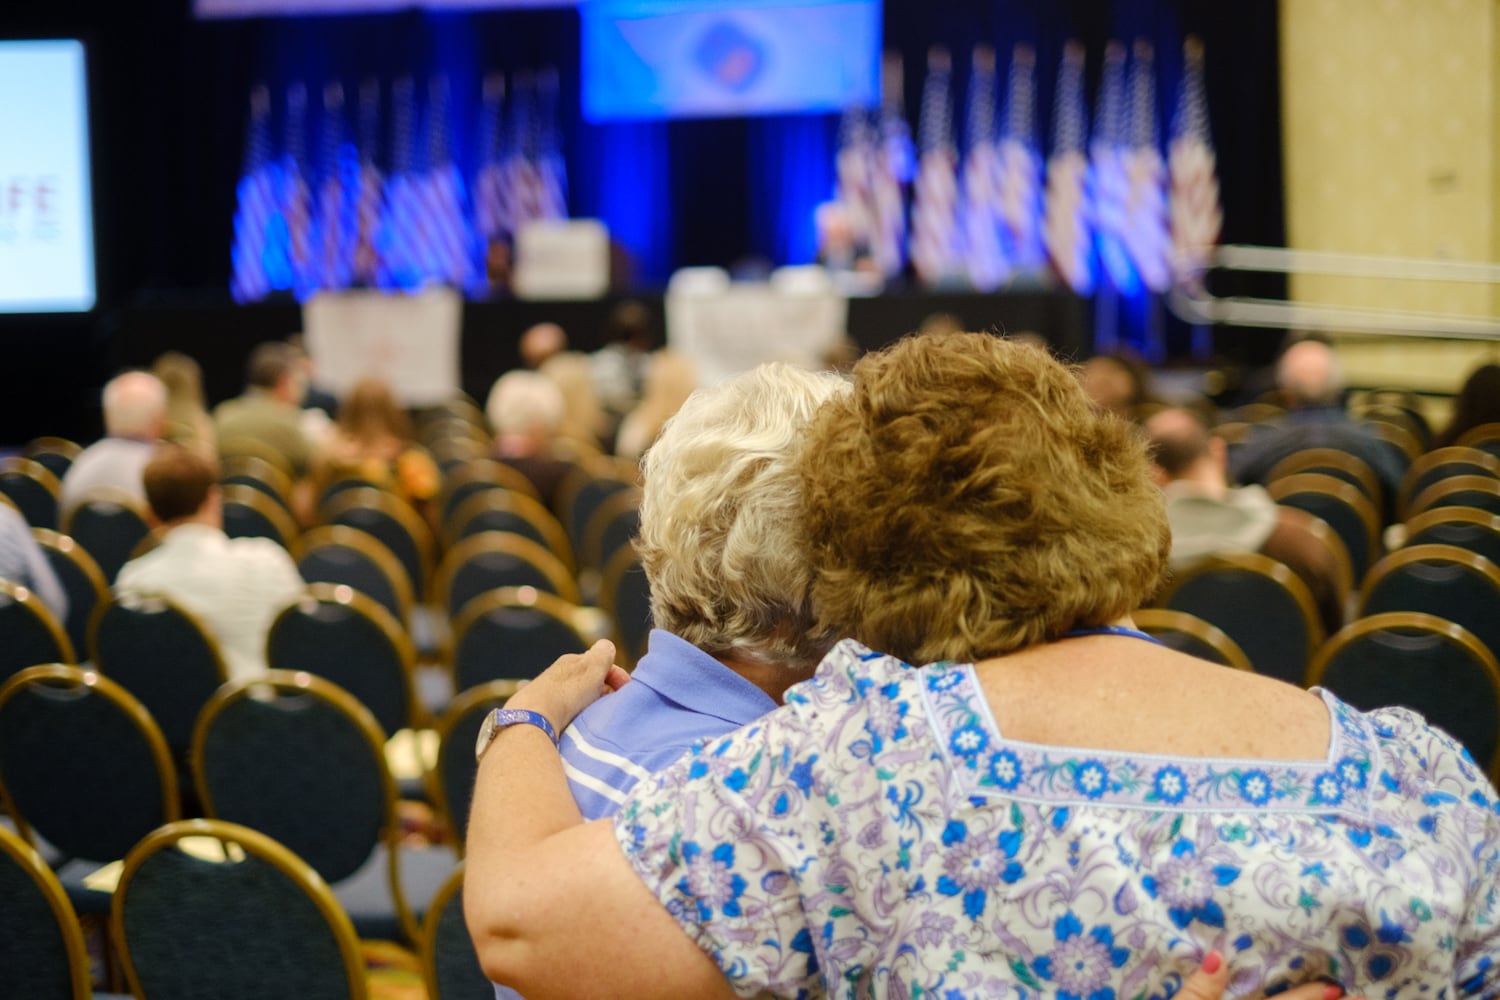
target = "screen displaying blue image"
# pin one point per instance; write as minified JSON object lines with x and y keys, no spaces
{"x":711,"y":58}
{"x":46,"y":211}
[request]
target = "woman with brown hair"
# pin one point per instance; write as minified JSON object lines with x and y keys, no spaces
{"x":1056,"y":805}
{"x":373,"y":441}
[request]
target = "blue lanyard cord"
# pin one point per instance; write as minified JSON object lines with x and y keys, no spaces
{"x":1130,"y":633}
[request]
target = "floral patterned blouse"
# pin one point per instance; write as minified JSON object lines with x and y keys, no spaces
{"x":878,"y":837}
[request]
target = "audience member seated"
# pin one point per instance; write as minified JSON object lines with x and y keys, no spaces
{"x":1209,"y":517}
{"x":135,"y":415}
{"x":372,"y":440}
{"x":583,"y":420}
{"x":188,"y":422}
{"x":618,"y":369}
{"x":235,"y":586}
{"x":541,"y":342}
{"x":526,"y":411}
{"x":1312,"y":386}
{"x":729,"y":598}
{"x":670,"y":378}
{"x":270,"y":410}
{"x":1477,"y":402}
{"x":1117,"y":383}
{"x":23,"y":562}
{"x":1056,"y":804}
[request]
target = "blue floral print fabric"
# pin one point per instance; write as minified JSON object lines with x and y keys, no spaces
{"x":879,"y":837}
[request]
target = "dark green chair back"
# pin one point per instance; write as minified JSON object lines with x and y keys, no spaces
{"x":31,"y":634}
{"x":109,"y":524}
{"x":449,"y":962}
{"x":510,"y":634}
{"x":42,"y":953}
{"x":1439,"y":580}
{"x":33,"y":490}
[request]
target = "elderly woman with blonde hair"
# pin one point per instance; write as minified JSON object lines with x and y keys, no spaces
{"x":1054,"y":805}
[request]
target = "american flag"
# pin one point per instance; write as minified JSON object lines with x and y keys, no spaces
{"x":984,"y":256}
{"x":255,"y":205}
{"x":1107,"y":157}
{"x":442,"y":196}
{"x":336,"y":219}
{"x":523,"y":181}
{"x":296,"y":199}
{"x":1021,"y":166}
{"x":893,"y":172}
{"x":854,"y":167}
{"x":935,"y":238}
{"x":1146,"y":234}
{"x":370,"y":202}
{"x":1066,"y":226}
{"x":1194,"y":205}
{"x":491,"y":208}
{"x":552,"y":170}
{"x":400,"y":248}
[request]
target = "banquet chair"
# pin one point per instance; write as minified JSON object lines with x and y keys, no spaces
{"x":1256,"y":601}
{"x":1338,"y":464}
{"x":109,"y":524}
{"x":1481,"y":492}
{"x":253,"y":513}
{"x":337,"y":633}
{"x":512,"y":633}
{"x":581,"y":493}
{"x":450,"y":966}
{"x":1402,"y":416}
{"x":506,"y":510}
{"x":478,"y":475}
{"x":494,"y":559}
{"x":259,"y":475}
{"x":1439,"y":580}
{"x":90,"y":798}
{"x":299,"y":759}
{"x":32,"y":488}
{"x":232,"y":449}
{"x":391,"y":521}
{"x":212,"y":909}
{"x":451,"y":782}
{"x":42,"y":951}
{"x":335,"y":553}
{"x":33,"y":635}
{"x":1468,"y":528}
{"x":1422,"y":662}
{"x":163,"y":655}
{"x":1191,"y":635}
{"x":450,"y":452}
{"x":55,"y":453}
{"x":1485,"y":437}
{"x":625,"y":597}
{"x":1401,"y":444}
{"x":612,"y":527}
{"x":1444,"y":463}
{"x":80,"y":579}
{"x":1351,"y":514}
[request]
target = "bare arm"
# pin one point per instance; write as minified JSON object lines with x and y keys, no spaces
{"x":554,"y":908}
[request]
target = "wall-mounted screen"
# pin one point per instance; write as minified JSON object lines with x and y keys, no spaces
{"x":295,"y":8}
{"x":712,"y":58}
{"x":46,"y":212}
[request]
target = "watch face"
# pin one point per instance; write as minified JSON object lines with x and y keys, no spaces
{"x":486,"y":733}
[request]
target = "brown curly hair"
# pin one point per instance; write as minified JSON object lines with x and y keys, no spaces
{"x":966,"y":501}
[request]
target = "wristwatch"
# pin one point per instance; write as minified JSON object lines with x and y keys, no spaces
{"x":503,"y":717}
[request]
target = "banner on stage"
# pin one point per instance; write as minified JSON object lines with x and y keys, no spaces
{"x":410,"y":341}
{"x":727,"y":328}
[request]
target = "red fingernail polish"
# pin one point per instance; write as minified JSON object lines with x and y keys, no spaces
{"x":1332,"y":991}
{"x":1212,"y":961}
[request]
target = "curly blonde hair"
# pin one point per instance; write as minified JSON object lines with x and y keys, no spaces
{"x":722,"y":537}
{"x":966,"y":501}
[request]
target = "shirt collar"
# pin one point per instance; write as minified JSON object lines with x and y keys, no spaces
{"x":681,"y":672}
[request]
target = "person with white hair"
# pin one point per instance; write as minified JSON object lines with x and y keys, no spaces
{"x":526,"y":411}
{"x":135,"y":414}
{"x":734,"y":627}
{"x":1311,"y":381}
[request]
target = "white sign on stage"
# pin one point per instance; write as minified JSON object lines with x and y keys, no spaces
{"x":411,"y":341}
{"x":729,"y":327}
